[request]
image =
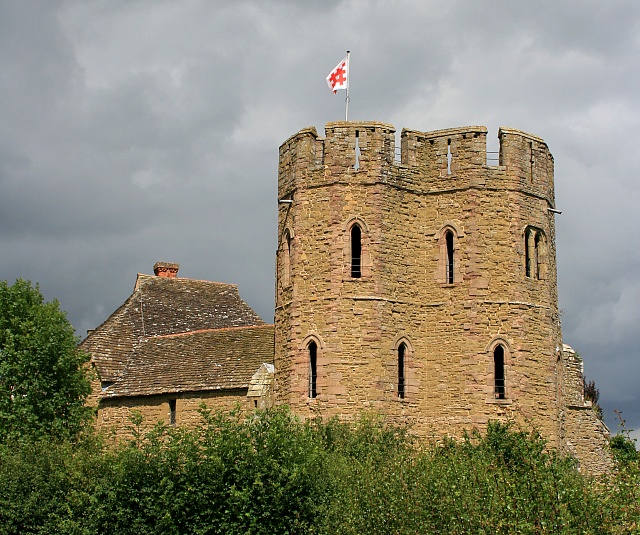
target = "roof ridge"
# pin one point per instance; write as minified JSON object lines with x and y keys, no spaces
{"x":186,"y":333}
{"x":186,"y":279}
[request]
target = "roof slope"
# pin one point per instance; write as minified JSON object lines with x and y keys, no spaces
{"x":196,"y":361}
{"x":162,"y":306}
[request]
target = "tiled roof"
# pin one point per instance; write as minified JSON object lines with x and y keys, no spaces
{"x":196,"y":361}
{"x":162,"y":306}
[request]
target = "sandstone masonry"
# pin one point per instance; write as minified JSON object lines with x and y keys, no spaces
{"x":425,"y":287}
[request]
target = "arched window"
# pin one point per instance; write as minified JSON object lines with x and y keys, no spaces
{"x":536,"y":260}
{"x":534,"y":253}
{"x":356,"y":252}
{"x":286,"y":259}
{"x":498,"y":373}
{"x":449,"y":260}
{"x":402,"y":349}
{"x":312,"y":348}
{"x":527,"y":252}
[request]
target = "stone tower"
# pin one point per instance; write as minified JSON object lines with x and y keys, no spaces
{"x":422,"y":287}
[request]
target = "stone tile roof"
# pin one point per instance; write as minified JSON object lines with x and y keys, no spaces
{"x":196,"y":361}
{"x":164,"y":306}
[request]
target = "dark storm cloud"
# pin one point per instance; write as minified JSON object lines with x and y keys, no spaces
{"x":136,"y":131}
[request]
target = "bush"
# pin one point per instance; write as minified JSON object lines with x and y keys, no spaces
{"x":268,"y":473}
{"x":504,"y":482}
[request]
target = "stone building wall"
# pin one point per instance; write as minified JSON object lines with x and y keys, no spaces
{"x":114,"y":415}
{"x":502,"y":292}
{"x":585,"y":436}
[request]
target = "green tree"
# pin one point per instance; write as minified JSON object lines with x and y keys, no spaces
{"x":43,"y":377}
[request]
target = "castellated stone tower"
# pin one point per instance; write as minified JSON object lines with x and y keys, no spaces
{"x":423,"y":287}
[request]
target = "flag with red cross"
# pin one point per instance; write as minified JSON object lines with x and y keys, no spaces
{"x":338,"y":77}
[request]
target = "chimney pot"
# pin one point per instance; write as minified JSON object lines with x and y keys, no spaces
{"x":168,"y":270}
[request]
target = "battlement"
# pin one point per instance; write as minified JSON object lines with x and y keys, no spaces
{"x":364,"y":151}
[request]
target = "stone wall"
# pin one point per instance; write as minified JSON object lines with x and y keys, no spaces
{"x":585,"y":436}
{"x":114,"y":415}
{"x":502,"y":292}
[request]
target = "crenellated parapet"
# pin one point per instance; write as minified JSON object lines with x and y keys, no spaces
{"x":528,"y":162}
{"x":444,"y":154}
{"x":452,"y":158}
{"x":361,"y":146}
{"x":297,"y":159}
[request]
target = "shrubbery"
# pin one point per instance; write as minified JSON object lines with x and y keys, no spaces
{"x":268,"y":473}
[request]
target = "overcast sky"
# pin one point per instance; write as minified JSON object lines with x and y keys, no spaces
{"x":137,"y":131}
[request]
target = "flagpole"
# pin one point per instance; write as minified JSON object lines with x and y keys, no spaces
{"x":346,"y":113}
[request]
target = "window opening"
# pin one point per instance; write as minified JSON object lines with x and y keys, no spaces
{"x":532,"y":160}
{"x":287,"y":259}
{"x":172,"y":412}
{"x":356,"y":252}
{"x":527,"y":252}
{"x":449,"y":265}
{"x":449,"y":157}
{"x":533,"y":255}
{"x":313,"y":370}
{"x":498,"y":365}
{"x":401,"y":378}
{"x":536,"y":260}
{"x":357,"y":164}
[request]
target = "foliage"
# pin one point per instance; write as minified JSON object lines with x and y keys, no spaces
{"x":623,"y":448}
{"x":43,"y":381}
{"x":268,"y":473}
{"x":592,"y":394}
{"x":623,"y":489}
{"x":504,"y":482}
{"x":259,"y":475}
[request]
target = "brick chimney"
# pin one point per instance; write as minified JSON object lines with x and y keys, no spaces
{"x":168,"y":270}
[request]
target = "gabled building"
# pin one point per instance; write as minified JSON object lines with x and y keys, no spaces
{"x":174,"y":344}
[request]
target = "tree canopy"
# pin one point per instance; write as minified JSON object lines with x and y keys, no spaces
{"x":43,"y":378}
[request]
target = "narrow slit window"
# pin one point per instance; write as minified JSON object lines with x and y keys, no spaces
{"x":356,"y":166}
{"x":498,"y":365}
{"x":287,"y":259}
{"x":536,"y":250}
{"x":532,"y":161}
{"x":172,"y":412}
{"x":527,"y":252}
{"x":313,"y":370}
{"x":356,"y":252}
{"x":402,"y":349}
{"x":449,"y":157}
{"x":449,"y":259}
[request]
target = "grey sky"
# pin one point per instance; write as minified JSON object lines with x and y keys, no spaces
{"x":136,"y":131}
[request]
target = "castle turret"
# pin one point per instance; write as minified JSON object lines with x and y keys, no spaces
{"x":423,"y":288}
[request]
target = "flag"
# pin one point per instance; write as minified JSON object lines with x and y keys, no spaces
{"x":339,"y":77}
